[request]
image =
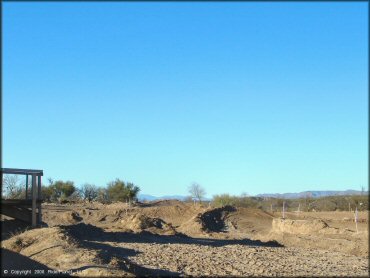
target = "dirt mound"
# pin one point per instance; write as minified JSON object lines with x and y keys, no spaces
{"x":211,"y":220}
{"x":249,"y":221}
{"x":117,"y":206}
{"x":173,"y":212}
{"x":34,"y":239}
{"x":306,"y":227}
{"x":290,"y":226}
{"x":214,"y":220}
{"x":140,"y":222}
{"x":70,"y":217}
{"x":40,"y":245}
{"x":172,"y":202}
{"x":61,"y":216}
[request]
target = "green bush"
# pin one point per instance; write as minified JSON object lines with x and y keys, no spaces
{"x":102,"y":196}
{"x":120,"y":191}
{"x":58,"y":190}
{"x":47,"y":193}
{"x":224,"y":200}
{"x":62,"y":189}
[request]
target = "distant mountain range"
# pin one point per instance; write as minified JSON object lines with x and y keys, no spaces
{"x":147,"y":197}
{"x":313,"y":194}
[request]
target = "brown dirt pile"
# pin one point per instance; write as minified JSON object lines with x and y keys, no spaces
{"x":316,"y":233}
{"x":290,"y":226}
{"x":211,"y":220}
{"x":140,"y":222}
{"x":306,"y":227}
{"x":173,"y":212}
{"x":56,"y":249}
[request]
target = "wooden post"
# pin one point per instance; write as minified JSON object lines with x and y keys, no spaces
{"x":39,"y":197}
{"x":2,"y":181}
{"x":26,"y":187}
{"x":34,"y":197}
{"x":283,"y":210}
{"x":356,"y":219}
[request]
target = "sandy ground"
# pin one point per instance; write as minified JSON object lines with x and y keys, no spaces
{"x":172,"y":238}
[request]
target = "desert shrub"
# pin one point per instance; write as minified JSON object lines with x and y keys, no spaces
{"x":239,"y":201}
{"x":59,"y":190}
{"x":62,"y":189}
{"x":47,"y":193}
{"x":327,"y":203}
{"x":102,"y":195}
{"x":250,"y":202}
{"x":120,"y":191}
{"x":188,"y":199}
{"x":74,"y":197}
{"x":323,"y":204}
{"x":224,"y":200}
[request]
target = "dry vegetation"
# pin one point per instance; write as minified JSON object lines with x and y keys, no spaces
{"x":173,"y":238}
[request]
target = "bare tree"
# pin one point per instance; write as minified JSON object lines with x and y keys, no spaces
{"x":89,"y":192}
{"x":12,"y":186}
{"x":307,"y":200}
{"x":197,"y":192}
{"x":103,"y":195}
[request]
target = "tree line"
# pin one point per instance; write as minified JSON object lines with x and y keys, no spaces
{"x":118,"y":190}
{"x":63,"y":191}
{"x":308,"y":203}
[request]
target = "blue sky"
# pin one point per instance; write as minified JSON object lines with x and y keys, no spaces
{"x":239,"y":97}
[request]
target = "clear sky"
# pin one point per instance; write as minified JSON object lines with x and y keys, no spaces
{"x":239,"y":97}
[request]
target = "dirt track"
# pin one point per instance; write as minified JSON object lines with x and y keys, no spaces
{"x":177,"y":239}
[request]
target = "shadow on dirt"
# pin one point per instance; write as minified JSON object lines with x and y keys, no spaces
{"x":87,"y":232}
{"x":10,"y":227}
{"x":214,"y":220}
{"x":92,"y":237}
{"x":12,"y":263}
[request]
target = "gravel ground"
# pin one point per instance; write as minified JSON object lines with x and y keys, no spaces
{"x":242,"y":260}
{"x":109,"y":241}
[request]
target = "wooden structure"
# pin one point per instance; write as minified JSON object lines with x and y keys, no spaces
{"x":28,"y":209}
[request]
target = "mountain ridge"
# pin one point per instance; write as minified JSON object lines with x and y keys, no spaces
{"x":313,"y":194}
{"x":303,"y":194}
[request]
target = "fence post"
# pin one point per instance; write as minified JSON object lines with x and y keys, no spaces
{"x":39,"y":197}
{"x":34,"y":197}
{"x":283,"y":210}
{"x":26,"y":187}
{"x":356,"y":219}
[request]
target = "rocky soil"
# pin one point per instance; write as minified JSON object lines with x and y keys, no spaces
{"x":171,"y":238}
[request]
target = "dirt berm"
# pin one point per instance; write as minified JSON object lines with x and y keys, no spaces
{"x":211,"y":220}
{"x":139,"y":222}
{"x":306,"y":227}
{"x":297,"y":226}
